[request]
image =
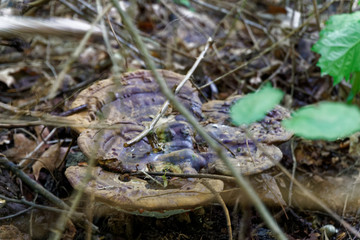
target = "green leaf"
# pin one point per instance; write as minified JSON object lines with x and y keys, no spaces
{"x":326,"y":120}
{"x":254,"y":106}
{"x":185,"y":3}
{"x":339,"y":46}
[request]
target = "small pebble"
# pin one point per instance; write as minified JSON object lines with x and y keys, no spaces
{"x":329,"y":230}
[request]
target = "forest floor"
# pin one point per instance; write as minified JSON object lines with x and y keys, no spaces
{"x":44,"y":65}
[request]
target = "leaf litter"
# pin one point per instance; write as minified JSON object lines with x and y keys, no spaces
{"x":175,"y":35}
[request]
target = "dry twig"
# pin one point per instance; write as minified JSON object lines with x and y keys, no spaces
{"x":223,"y":205}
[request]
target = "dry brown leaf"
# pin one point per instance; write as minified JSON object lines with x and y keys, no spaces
{"x":44,"y":131}
{"x":22,"y":146}
{"x":271,"y":191}
{"x":50,"y":159}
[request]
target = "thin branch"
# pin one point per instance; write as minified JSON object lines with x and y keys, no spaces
{"x":116,"y":69}
{"x":185,"y":175}
{"x":32,"y":204}
{"x":72,"y":7}
{"x":32,"y":183}
{"x":25,"y":160}
{"x":122,"y":51}
{"x":316,"y":15}
{"x":35,"y":118}
{"x":16,"y":214}
{"x":293,"y":172}
{"x":223,"y":205}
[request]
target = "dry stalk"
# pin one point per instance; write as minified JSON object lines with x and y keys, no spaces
{"x":186,"y":175}
{"x":11,"y":26}
{"x":116,"y":69}
{"x":293,"y":173}
{"x":223,"y":205}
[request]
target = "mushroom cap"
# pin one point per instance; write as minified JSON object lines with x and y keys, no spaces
{"x":136,"y":96}
{"x":268,"y":130}
{"x":137,"y":196}
{"x":252,"y":160}
{"x":246,"y":156}
{"x":127,"y":108}
{"x":92,"y":95}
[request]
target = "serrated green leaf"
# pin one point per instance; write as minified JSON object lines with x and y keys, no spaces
{"x":326,"y":120}
{"x":339,"y":21}
{"x":339,"y":46}
{"x":254,"y":106}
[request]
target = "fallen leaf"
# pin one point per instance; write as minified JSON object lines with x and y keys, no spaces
{"x":22,"y":146}
{"x":41,"y":132}
{"x":50,"y":159}
{"x":313,"y":236}
{"x":271,"y":190}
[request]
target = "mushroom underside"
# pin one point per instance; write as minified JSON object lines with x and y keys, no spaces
{"x":138,"y":196}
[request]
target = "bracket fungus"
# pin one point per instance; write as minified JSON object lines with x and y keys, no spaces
{"x":129,"y":108}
